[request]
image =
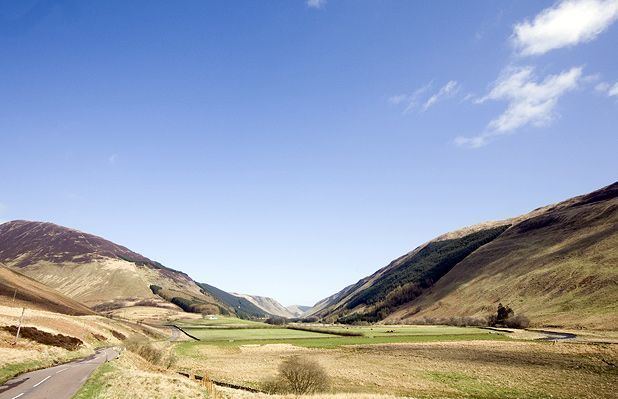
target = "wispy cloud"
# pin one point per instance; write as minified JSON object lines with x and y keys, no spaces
{"x":611,"y":90}
{"x":415,"y":99}
{"x":112,"y":159}
{"x":565,"y":24}
{"x":529,"y":101}
{"x":446,"y":91}
{"x":316,"y":3}
{"x":410,"y":100}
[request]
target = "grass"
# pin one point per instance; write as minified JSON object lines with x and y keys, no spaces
{"x":11,"y":370}
{"x":96,"y":384}
{"x":131,"y":376}
{"x":471,"y":387}
{"x":231,"y":336}
{"x":222,"y":322}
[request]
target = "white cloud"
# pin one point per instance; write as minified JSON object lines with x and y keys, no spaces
{"x":316,"y":3}
{"x":398,"y":99}
{"x":529,"y":101}
{"x":446,"y":91}
{"x":112,"y":159}
{"x":567,"y":23}
{"x":607,"y":88}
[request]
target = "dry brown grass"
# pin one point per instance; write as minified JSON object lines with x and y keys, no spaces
{"x":130,"y":376}
{"x":441,"y":369}
{"x":27,"y":354}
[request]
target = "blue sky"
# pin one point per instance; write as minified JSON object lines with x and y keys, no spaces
{"x":288,"y":148}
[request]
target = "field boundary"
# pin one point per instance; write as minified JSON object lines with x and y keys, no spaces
{"x":326,"y":331}
{"x":183,"y":331}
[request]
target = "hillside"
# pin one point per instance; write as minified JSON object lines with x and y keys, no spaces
{"x":95,"y":271}
{"x":244,"y":308}
{"x":298,"y":310}
{"x":268,"y":305}
{"x":18,"y":290}
{"x":556,"y":265}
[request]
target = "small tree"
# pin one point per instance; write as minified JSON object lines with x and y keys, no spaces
{"x":504,"y":312}
{"x":301,"y":376}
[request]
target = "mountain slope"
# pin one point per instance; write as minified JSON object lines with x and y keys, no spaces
{"x":559,"y":268}
{"x":298,"y":310}
{"x":556,"y":264}
{"x":19,"y":290}
{"x":93,"y":270}
{"x":242,"y":306}
{"x":268,"y":305}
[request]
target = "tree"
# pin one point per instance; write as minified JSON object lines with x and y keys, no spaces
{"x":504,"y":312}
{"x":301,"y":376}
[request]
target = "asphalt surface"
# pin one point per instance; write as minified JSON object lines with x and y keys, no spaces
{"x":58,"y":382}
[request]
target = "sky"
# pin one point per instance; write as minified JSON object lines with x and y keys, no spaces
{"x":289,"y":148}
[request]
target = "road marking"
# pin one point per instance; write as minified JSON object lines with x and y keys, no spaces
{"x":58,"y":372}
{"x":15,"y":397}
{"x":42,"y":381}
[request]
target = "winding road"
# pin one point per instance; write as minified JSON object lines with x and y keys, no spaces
{"x":58,"y":382}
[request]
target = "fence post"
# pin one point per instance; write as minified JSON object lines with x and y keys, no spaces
{"x":19,"y":326}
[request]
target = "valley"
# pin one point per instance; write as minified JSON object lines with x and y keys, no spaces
{"x":520,"y":308}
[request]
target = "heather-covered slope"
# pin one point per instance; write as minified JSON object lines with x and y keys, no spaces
{"x":559,"y":268}
{"x":92,"y":270}
{"x":558,"y":265}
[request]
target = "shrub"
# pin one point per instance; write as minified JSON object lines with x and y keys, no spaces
{"x":299,"y":376}
{"x":519,"y":321}
{"x":45,"y":338}
{"x":155,"y":289}
{"x":118,"y":335}
{"x":276,"y":320}
{"x":506,"y":317}
{"x":150,"y":353}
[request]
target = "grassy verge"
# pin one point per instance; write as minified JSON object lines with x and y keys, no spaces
{"x":8,"y":371}
{"x":11,"y":370}
{"x":95,"y":385}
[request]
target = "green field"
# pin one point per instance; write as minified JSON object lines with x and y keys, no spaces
{"x":234,"y":332}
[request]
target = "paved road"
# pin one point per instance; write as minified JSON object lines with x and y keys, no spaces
{"x":58,"y":382}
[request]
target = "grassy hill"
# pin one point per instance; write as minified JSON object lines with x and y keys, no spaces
{"x":95,"y":271}
{"x":556,"y":265}
{"x":18,"y":290}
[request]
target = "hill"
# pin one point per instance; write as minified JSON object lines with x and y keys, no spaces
{"x":298,"y":310}
{"x":95,"y":271}
{"x":244,"y":308}
{"x":556,"y":265}
{"x":18,"y":290}
{"x":268,"y":305}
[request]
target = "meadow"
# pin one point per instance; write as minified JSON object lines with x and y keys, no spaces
{"x":409,"y":361}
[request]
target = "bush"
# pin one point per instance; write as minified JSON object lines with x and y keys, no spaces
{"x":155,"y":289}
{"x":277,"y":320}
{"x":519,"y":321}
{"x":150,"y":353}
{"x":45,"y":338}
{"x":299,"y":376}
{"x":506,"y":317}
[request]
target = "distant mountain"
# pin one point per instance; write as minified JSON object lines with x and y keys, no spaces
{"x":95,"y":271}
{"x":242,"y":306}
{"x":556,"y":264}
{"x":19,"y":290}
{"x":298,"y":310}
{"x":268,"y":305}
